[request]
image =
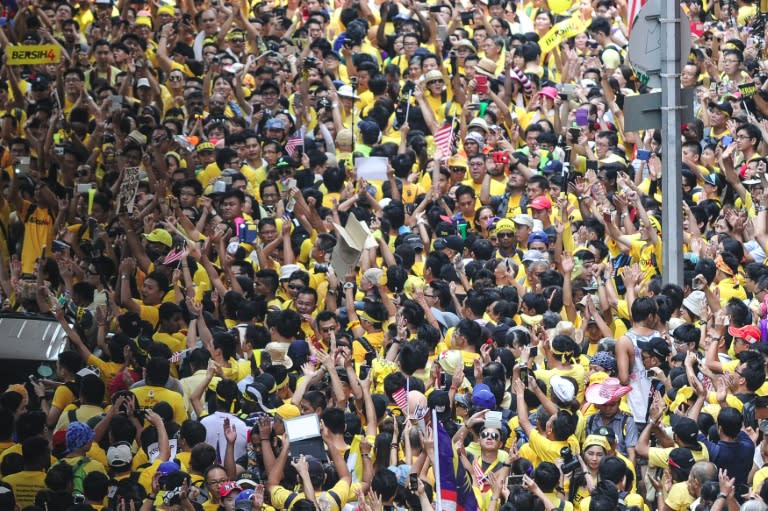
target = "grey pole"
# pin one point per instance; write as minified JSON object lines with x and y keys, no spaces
{"x":672,"y":221}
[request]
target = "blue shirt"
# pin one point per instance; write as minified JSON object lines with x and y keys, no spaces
{"x":735,"y":457}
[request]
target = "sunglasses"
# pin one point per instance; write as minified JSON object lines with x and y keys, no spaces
{"x":490,"y":434}
{"x":504,"y":235}
{"x":175,"y":78}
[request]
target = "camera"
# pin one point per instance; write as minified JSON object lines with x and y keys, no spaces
{"x":500,"y":157}
{"x":310,"y":62}
{"x":321,"y":268}
{"x":324,"y":103}
{"x":570,"y":462}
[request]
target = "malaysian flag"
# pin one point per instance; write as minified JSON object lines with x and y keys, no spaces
{"x":173,"y":256}
{"x":401,"y":399}
{"x":455,"y":484}
{"x":296,"y":140}
{"x":633,"y":7}
{"x":444,"y":139}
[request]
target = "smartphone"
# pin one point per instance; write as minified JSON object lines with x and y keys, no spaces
{"x":515,"y":480}
{"x":364,"y":371}
{"x":83,"y":187}
{"x":592,"y":165}
{"x":474,"y":106}
{"x":23,"y":163}
{"x":534,"y":351}
{"x":575,"y":133}
{"x":569,"y":89}
{"x":219,"y":186}
{"x":524,"y":375}
{"x":643,"y":154}
{"x":650,"y":374}
{"x":226,"y":179}
{"x":116,"y":103}
{"x":291,"y":183}
{"x":413,"y":482}
{"x":442,"y":30}
{"x":435,"y":8}
{"x":482,"y":84}
{"x":467,"y":18}
{"x":445,"y":380}
{"x":726,"y":140}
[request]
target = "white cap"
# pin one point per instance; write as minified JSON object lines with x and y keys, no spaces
{"x":345,"y":91}
{"x":143,"y":82}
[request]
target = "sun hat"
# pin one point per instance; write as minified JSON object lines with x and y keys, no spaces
{"x":610,"y":391}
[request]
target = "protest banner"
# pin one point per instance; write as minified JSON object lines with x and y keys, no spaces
{"x":30,"y":54}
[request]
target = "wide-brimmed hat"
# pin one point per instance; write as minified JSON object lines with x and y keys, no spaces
{"x":611,"y":390}
{"x":486,"y":67}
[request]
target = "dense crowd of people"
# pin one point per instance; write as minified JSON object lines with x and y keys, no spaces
{"x":326,"y":256}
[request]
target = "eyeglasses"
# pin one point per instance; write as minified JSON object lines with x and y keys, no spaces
{"x":434,"y":82}
{"x":489,"y":434}
{"x":504,"y":234}
{"x":217,"y":482}
{"x":458,"y":169}
{"x":294,"y":286}
{"x":175,"y":78}
{"x":428,"y":296}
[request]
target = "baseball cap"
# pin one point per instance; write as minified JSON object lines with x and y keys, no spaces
{"x":538,"y":236}
{"x":287,"y":411}
{"x":541,"y":202}
{"x":686,"y":429}
{"x":553,"y":167}
{"x":167,"y":468}
{"x":119,"y":455}
{"x":475,"y":137}
{"x":725,"y":107}
{"x":656,"y":345}
{"x":482,"y":397}
{"x":454,"y":242}
{"x":414,"y":240}
{"x":526,"y":220}
{"x":275,"y":123}
{"x":681,"y":458}
{"x":227,"y":488}
{"x":143,"y":82}
{"x":750,"y":333}
{"x":160,"y":236}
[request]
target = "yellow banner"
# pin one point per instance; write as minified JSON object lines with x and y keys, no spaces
{"x":567,"y":28}
{"x":28,"y":54}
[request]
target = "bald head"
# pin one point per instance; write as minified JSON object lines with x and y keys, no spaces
{"x":702,"y":472}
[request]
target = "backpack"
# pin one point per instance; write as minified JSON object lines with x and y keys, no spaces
{"x":79,"y":474}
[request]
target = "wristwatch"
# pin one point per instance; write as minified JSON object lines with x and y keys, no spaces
{"x":349,"y":285}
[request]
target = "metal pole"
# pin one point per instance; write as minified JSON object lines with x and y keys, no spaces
{"x":672,"y":221}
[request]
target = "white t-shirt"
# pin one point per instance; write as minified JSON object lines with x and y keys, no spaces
{"x":214,"y":427}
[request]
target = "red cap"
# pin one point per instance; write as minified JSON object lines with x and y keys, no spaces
{"x":227,"y":488}
{"x":750,"y":333}
{"x":541,"y":202}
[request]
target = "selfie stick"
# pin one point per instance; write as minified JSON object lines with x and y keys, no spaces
{"x":436,"y":463}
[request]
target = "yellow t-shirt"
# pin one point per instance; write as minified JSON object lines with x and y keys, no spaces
{"x":148,"y":396}
{"x":332,"y":500}
{"x":25,"y":486}
{"x":678,"y":498}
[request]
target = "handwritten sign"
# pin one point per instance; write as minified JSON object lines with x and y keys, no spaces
{"x":130,"y":185}
{"x":28,"y":54}
{"x":567,"y":28}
